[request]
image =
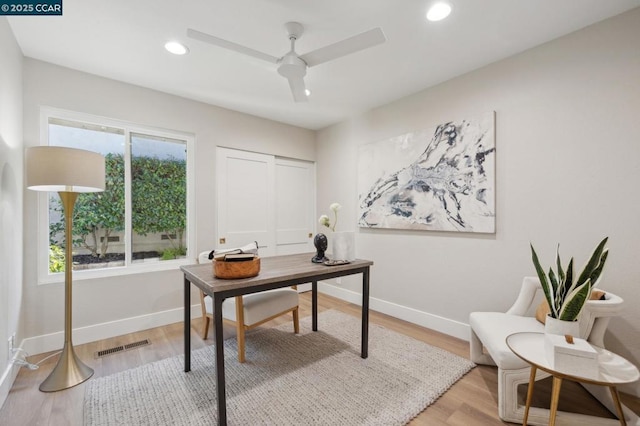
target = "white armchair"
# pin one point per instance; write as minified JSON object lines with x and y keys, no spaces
{"x":251,"y":310}
{"x":489,"y":331}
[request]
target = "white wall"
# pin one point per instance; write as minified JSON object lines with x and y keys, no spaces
{"x":143,"y":297}
{"x":568,"y":170}
{"x":11,"y":169}
{"x":568,"y":163}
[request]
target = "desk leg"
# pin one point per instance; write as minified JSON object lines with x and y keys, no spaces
{"x":616,"y":402}
{"x":187,"y":325}
{"x":532,"y":382}
{"x":220,"y":382}
{"x":364,"y":344}
{"x":555,"y":396}
{"x":240,"y":327}
{"x":314,"y":305}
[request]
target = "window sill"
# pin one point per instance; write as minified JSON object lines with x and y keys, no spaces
{"x":138,"y":268}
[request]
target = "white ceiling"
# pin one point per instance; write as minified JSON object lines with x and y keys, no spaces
{"x":123,"y":40}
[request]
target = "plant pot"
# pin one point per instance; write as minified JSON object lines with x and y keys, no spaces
{"x":561,"y":327}
{"x":343,"y":245}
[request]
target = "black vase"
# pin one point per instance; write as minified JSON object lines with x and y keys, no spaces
{"x":321,"y":243}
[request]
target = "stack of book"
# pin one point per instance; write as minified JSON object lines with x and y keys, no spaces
{"x":246,"y":252}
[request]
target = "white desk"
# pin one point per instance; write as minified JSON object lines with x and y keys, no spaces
{"x":612,"y":370}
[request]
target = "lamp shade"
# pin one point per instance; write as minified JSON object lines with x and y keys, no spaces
{"x":56,"y":169}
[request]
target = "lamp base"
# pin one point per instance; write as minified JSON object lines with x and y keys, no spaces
{"x":68,"y":372}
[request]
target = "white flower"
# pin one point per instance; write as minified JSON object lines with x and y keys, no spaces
{"x":324,"y":219}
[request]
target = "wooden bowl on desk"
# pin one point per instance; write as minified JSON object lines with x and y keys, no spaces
{"x":236,"y":269}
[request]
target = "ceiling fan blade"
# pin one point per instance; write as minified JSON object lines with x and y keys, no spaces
{"x":350,"y":45}
{"x":197,"y":35}
{"x":298,"y":89}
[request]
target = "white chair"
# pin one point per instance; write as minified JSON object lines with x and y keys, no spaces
{"x":489,"y":331}
{"x":251,"y":310}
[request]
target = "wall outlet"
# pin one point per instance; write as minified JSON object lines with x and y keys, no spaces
{"x":339,"y":280}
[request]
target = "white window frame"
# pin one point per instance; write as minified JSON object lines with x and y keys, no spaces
{"x":44,"y":276}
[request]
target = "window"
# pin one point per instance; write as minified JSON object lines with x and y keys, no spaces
{"x":142,"y":220}
{"x":158,"y":197}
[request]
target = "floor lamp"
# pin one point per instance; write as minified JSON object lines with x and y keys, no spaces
{"x":68,"y":171}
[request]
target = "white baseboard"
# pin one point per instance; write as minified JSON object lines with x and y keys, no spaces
{"x":414,"y":316}
{"x":50,"y":342}
{"x":54,"y":341}
{"x":6,"y":381}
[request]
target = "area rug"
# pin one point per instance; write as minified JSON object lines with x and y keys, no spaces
{"x":306,"y":379}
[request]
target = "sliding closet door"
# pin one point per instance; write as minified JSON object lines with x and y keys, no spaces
{"x":265,"y":199}
{"x":246,"y":202}
{"x":295,"y":206}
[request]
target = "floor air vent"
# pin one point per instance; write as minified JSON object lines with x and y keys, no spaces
{"x":134,"y":345}
{"x":122,"y":348}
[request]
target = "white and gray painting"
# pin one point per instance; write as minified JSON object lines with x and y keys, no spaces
{"x":441,"y":179}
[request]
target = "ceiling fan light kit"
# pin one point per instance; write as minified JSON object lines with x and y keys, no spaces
{"x":293,"y":66}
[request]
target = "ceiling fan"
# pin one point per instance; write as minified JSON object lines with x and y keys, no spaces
{"x":293,"y":66}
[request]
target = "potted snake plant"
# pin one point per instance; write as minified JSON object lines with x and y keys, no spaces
{"x":565,"y":294}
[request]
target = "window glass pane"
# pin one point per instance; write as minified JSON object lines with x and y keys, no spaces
{"x":98,"y":218}
{"x":158,"y":198}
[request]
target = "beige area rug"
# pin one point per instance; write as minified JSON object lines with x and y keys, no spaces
{"x":309,"y":379}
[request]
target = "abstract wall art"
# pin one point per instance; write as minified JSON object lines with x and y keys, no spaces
{"x":441,"y":179}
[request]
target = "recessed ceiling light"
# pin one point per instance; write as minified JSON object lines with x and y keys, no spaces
{"x":307,"y":92}
{"x":176,"y":48}
{"x":438,"y":11}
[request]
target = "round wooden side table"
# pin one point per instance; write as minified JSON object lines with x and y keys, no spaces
{"x":612,"y":370}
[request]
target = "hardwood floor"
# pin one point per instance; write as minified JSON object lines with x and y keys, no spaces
{"x":471,"y":401}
